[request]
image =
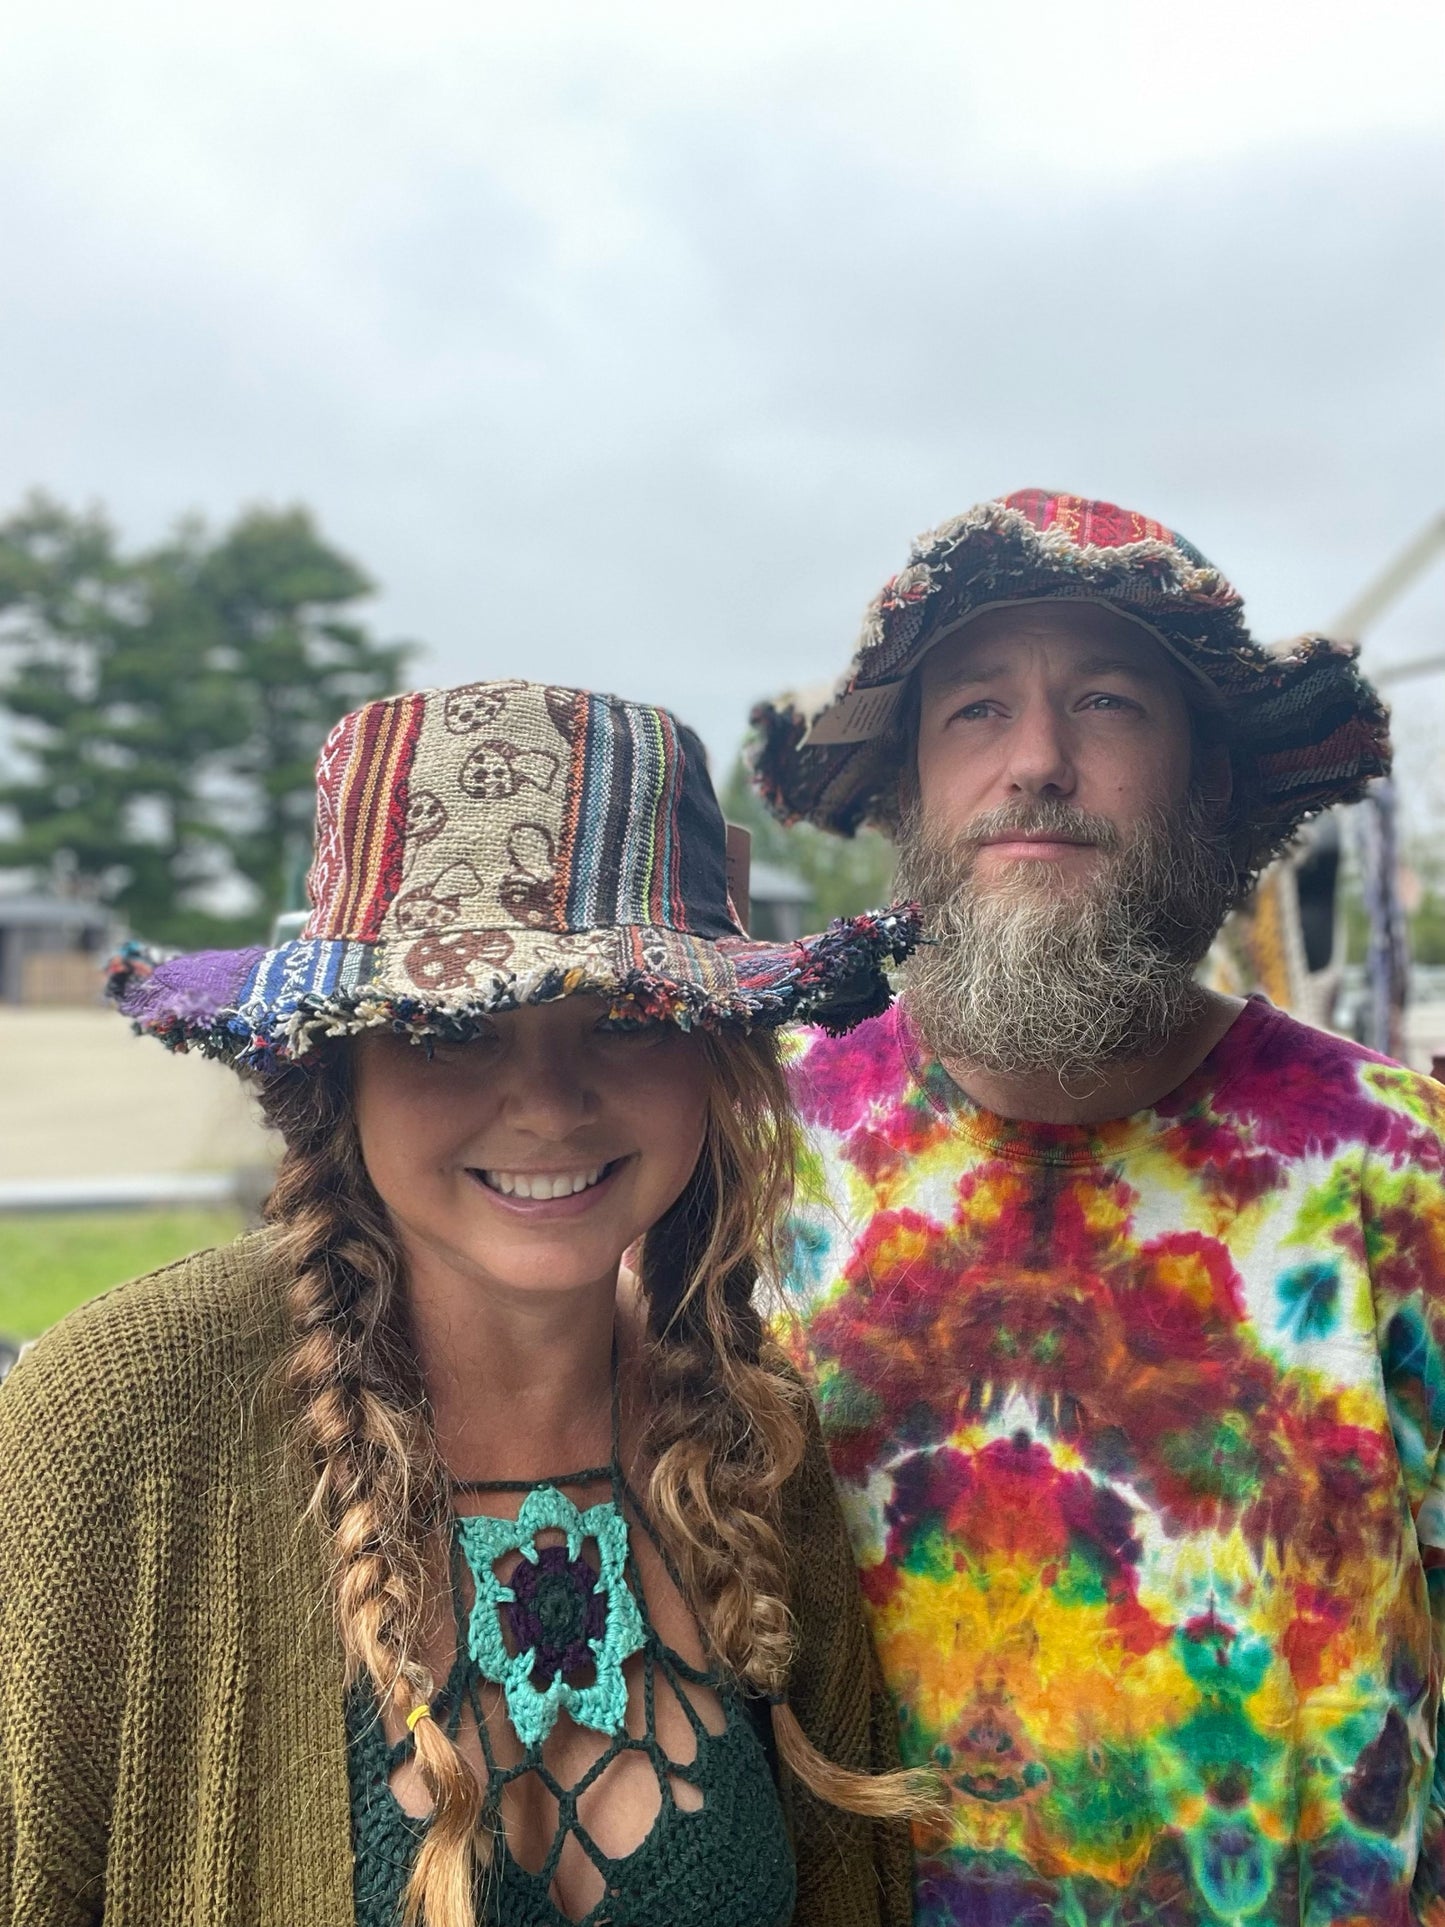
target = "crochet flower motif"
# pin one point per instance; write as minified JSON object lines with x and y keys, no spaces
{"x":562,"y":1614}
{"x":556,"y":1611}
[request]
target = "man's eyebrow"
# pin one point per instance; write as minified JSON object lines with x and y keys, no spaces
{"x":1119,"y":666}
{"x":966,"y":673}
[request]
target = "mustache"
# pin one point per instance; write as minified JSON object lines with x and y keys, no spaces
{"x":1021,"y":979}
{"x":1040,"y":816}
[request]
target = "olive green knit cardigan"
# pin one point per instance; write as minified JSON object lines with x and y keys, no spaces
{"x":172,"y":1742}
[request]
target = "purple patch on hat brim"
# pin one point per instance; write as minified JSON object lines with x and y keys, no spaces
{"x":190,"y":990}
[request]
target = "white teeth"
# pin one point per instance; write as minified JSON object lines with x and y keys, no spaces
{"x":542,"y":1184}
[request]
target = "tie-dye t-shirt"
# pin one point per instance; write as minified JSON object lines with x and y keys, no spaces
{"x":1137,"y":1427}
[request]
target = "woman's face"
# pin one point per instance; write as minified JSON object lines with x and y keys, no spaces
{"x":533,"y":1155}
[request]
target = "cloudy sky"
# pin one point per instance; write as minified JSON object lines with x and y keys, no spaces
{"x":630,"y":344}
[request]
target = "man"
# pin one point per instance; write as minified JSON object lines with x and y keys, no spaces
{"x":1124,"y":1302}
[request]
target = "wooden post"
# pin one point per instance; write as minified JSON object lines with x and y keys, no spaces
{"x":739,"y":866}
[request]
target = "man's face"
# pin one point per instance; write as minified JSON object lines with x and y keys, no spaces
{"x":1063,"y":702}
{"x":1071,"y":864}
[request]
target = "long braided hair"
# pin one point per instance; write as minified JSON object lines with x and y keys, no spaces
{"x":724,"y":1431}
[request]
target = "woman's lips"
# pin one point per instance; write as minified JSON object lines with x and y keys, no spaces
{"x":565,"y":1207}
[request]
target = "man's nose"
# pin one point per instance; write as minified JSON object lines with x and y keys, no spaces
{"x":1040,"y":760}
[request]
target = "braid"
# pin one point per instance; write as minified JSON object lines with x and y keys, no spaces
{"x":380,"y":1496}
{"x":726,"y":1429}
{"x":724,"y":1433}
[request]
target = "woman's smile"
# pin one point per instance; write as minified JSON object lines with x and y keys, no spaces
{"x":549,"y":1194}
{"x":533,"y":1156}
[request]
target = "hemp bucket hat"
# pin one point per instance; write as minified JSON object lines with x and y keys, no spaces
{"x":1303,"y":728}
{"x":500,"y":844}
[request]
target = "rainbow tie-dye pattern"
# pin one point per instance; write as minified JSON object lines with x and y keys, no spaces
{"x":1138,"y":1431}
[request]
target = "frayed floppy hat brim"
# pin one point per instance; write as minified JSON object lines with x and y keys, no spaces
{"x":1305,"y":730}
{"x":261,"y":1009}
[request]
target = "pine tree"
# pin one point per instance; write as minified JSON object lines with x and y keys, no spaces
{"x":168,"y":705}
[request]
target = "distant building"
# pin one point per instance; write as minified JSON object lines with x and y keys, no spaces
{"x":780,"y":903}
{"x":52,"y":949}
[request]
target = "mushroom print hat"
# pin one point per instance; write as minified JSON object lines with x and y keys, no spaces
{"x":500,"y":844}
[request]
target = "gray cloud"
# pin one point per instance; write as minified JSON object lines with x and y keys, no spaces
{"x":672,"y":446}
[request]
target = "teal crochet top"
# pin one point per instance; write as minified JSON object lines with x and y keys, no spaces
{"x":559,"y":1628}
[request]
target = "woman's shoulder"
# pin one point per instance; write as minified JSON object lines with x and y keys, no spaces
{"x":149,"y":1362}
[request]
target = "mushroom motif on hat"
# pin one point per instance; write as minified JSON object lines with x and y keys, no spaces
{"x":495,"y":770}
{"x":446,"y":962}
{"x":438,"y":904}
{"x":426,"y":816}
{"x":475,"y":704}
{"x":526,"y":890}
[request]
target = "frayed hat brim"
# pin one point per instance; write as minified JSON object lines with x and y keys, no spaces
{"x":1304,"y":729}
{"x":261,"y":1009}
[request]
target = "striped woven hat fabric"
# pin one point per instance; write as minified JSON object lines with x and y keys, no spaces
{"x":1305,"y":729}
{"x":506,"y":843}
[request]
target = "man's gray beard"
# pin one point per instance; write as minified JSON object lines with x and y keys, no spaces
{"x":1029,"y":975}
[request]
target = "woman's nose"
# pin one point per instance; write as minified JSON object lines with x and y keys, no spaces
{"x":548,"y":1092}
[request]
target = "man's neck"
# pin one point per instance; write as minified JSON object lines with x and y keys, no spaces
{"x":1114,"y":1091}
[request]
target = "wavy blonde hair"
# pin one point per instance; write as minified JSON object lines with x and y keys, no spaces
{"x":726,"y":1428}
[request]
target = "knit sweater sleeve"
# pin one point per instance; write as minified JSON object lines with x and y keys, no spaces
{"x":67,"y":1560}
{"x":126,"y":1718}
{"x":851,"y":1872}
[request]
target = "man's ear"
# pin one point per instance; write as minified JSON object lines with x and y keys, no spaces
{"x":1215,"y":774}
{"x":900,"y":753}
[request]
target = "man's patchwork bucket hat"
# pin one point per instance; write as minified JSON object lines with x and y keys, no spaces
{"x":500,"y":844}
{"x":1304,"y":729}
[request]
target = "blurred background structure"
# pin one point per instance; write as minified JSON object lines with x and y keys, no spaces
{"x":347,"y":346}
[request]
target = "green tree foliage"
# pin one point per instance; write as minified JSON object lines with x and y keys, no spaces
{"x":1427,"y":929}
{"x":169,"y":705}
{"x":1426,"y":918}
{"x":280,"y":600}
{"x":843,"y":874}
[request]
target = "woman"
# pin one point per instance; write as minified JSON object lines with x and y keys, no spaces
{"x":594,"y":1650}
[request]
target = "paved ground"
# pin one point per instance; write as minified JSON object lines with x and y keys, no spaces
{"x":81,"y":1096}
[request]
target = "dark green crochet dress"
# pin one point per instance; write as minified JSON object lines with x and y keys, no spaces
{"x":724,"y":1863}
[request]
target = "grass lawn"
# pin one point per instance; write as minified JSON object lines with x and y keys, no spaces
{"x":51,"y":1261}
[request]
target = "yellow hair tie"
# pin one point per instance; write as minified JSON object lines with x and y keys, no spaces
{"x":422,"y":1712}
